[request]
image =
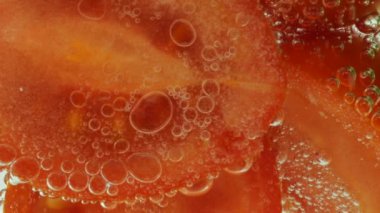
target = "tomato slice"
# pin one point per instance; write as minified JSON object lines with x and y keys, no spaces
{"x":260,"y":192}
{"x":332,"y":138}
{"x":119,"y":99}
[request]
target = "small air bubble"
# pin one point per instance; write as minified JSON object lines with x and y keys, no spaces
{"x":67,"y":166}
{"x":242,"y":19}
{"x":56,"y":181}
{"x":364,"y":105}
{"x":97,"y":185}
{"x":78,"y":181}
{"x":78,"y":99}
{"x":240,"y":167}
{"x":199,"y":188}
{"x":121,"y":146}
{"x":182,"y":33}
{"x":333,"y":84}
{"x":347,"y":76}
{"x":107,"y":110}
{"x":349,"y":97}
{"x":148,"y":172}
{"x":114,"y":171}
{"x":205,"y":104}
{"x":94,"y":124}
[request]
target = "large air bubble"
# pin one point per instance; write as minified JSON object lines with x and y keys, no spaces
{"x":151,"y":113}
{"x":144,"y":167}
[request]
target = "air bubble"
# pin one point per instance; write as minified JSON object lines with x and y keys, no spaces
{"x":205,"y":135}
{"x":373,"y":92}
{"x":152,"y":113}
{"x":332,"y":84}
{"x":209,"y":53}
{"x":78,"y":181}
{"x":24,"y":169}
{"x":367,"y":77}
{"x":176,"y":131}
{"x":240,"y":167}
{"x":205,"y":104}
{"x":182,"y":33}
{"x":78,"y":99}
{"x":92,"y":167}
{"x":56,"y":181}
{"x":47,"y":164}
{"x":121,"y":146}
{"x":176,"y":154}
{"x":279,"y":119}
{"x":93,"y":10}
{"x":198,"y":189}
{"x":282,"y":157}
{"x":105,"y":131}
{"x":7,"y":154}
{"x":242,"y":19}
{"x":148,"y":172}
{"x":215,"y":67}
{"x":99,"y":154}
{"x":369,"y":23}
{"x":210,"y":87}
{"x":190,"y":114}
{"x":97,"y":185}
{"x":349,"y":97}
{"x":158,"y":198}
{"x":347,"y":76}
{"x":187,"y":127}
{"x":94,"y":124}
{"x":114,"y":171}
{"x":120,"y":104}
{"x":112,"y":190}
{"x":67,"y":166}
{"x":364,"y":105}
{"x":109,"y":205}
{"x":95,"y":145}
{"x":323,"y":160}
{"x":107,"y":111}
{"x":81,"y":159}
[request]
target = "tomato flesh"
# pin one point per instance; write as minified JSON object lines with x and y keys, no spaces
{"x":92,"y":100}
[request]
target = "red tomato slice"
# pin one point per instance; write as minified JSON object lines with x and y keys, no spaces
{"x":117,"y":99}
{"x":330,"y":143}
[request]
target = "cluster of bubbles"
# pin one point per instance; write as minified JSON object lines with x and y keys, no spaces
{"x":367,"y":100}
{"x":101,"y":163}
{"x":311,"y":177}
{"x":336,"y":21}
{"x":367,"y":29}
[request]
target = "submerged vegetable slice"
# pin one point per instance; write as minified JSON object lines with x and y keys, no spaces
{"x":119,"y":100}
{"x":345,"y":144}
